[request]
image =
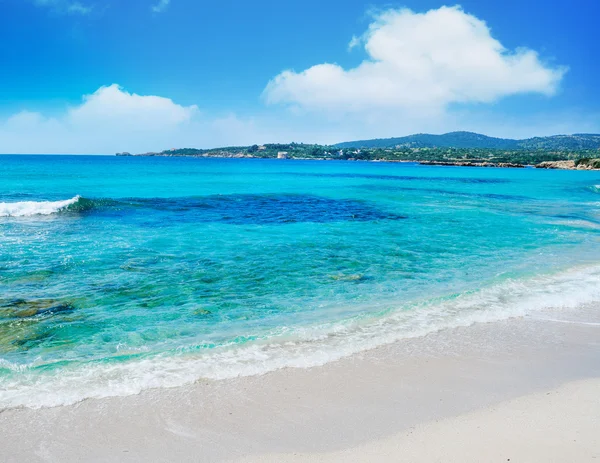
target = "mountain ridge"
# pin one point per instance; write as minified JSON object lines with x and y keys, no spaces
{"x":463,"y":139}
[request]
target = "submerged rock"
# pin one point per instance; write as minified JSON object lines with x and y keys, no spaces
{"x":201,"y":312}
{"x":30,"y":312}
{"x":59,"y":308}
{"x":31,"y":277}
{"x":139,"y":264}
{"x":352,"y":277}
{"x":21,"y":308}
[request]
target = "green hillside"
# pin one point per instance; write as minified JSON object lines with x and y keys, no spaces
{"x":475,"y":140}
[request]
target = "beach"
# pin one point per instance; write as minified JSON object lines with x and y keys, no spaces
{"x":236,"y":232}
{"x":554,"y":426}
{"x":226,"y":310}
{"x":524,"y":389}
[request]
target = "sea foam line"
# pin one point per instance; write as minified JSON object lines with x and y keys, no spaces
{"x":33,"y":208}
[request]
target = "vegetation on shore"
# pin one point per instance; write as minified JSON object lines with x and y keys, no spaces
{"x":458,"y":156}
{"x":575,"y":142}
{"x":578,"y":151}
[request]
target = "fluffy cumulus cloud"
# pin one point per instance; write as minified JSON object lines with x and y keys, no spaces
{"x":419,"y":62}
{"x":114,"y":107}
{"x":110,"y":119}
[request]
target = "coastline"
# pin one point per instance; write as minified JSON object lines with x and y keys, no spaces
{"x":354,"y":402}
{"x":550,"y":165}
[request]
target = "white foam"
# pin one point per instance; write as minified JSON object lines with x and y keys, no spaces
{"x":32,"y":208}
{"x":302,"y":347}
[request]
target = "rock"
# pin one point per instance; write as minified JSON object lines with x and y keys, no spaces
{"x":587,"y":164}
{"x":570,"y":165}
{"x":510,"y":164}
{"x":352,"y":277}
{"x":580,"y":164}
{"x":21,"y":308}
{"x":202,"y":312}
{"x":30,"y":312}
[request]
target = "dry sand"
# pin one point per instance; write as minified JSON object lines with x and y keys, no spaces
{"x":562,"y":425}
{"x":469,"y":394}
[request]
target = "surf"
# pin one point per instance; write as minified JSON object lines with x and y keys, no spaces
{"x":132,"y":371}
{"x":594,"y":188}
{"x":33,"y":208}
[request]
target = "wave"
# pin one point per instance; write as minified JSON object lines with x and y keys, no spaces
{"x":38,"y":385}
{"x":234,"y":209}
{"x":594,"y":188}
{"x":34,"y":208}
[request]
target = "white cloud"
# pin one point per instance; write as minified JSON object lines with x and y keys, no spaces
{"x":161,"y":6}
{"x":112,"y":106}
{"x":354,"y":42}
{"x":110,"y":119}
{"x":113,"y":120}
{"x":419,"y":62}
{"x":65,"y":6}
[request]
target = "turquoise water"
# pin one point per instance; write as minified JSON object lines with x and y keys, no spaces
{"x":121,"y":274}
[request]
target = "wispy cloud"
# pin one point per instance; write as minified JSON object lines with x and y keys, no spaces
{"x":161,"y":6}
{"x":355,"y":42}
{"x":65,"y":6}
{"x":78,"y":8}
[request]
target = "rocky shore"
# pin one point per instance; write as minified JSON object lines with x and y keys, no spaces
{"x":580,"y":164}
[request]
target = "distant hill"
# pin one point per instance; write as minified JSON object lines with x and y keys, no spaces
{"x":580,"y":141}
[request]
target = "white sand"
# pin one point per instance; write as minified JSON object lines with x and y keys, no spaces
{"x":558,"y":426}
{"x":467,"y":394}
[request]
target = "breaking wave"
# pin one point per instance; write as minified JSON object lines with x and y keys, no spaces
{"x":594,"y":188}
{"x":33,"y":208}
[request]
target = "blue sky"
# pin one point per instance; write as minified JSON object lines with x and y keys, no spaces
{"x":98,"y":76}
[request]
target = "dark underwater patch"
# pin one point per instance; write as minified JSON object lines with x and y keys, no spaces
{"x":398,"y":177}
{"x":441,"y":191}
{"x":21,"y":308}
{"x":575,"y":217}
{"x":24,"y":324}
{"x":248,"y":209}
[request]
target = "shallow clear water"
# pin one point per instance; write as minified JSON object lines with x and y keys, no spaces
{"x":119,"y":274}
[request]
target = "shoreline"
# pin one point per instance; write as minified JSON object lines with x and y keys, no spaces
{"x":342,"y":405}
{"x":545,"y":165}
{"x":316,"y":346}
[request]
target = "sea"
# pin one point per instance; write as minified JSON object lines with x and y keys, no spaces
{"x":121,"y":274}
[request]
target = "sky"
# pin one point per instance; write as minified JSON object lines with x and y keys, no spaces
{"x":105,"y":76}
